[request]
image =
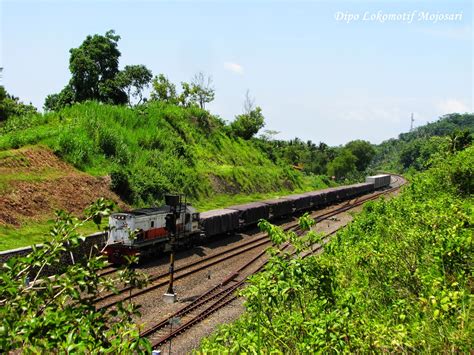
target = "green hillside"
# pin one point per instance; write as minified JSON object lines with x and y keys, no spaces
{"x":154,"y":149}
{"x":415,"y":149}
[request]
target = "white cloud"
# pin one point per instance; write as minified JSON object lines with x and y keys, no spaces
{"x":452,"y":105}
{"x":372,"y":114}
{"x":234,"y":67}
{"x":456,"y":33}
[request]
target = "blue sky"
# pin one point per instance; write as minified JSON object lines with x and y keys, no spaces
{"x":315,"y":75}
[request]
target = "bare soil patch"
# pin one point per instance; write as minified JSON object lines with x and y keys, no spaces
{"x":35,"y":183}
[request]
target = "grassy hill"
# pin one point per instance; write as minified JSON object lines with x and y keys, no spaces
{"x":136,"y":156}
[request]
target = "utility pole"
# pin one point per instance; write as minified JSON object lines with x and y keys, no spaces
{"x":173,"y":201}
{"x":412,"y":121}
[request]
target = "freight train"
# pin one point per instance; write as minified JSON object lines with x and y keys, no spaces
{"x":149,"y":230}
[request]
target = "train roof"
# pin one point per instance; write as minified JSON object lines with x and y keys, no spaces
{"x":297,"y":196}
{"x":276,"y":201}
{"x":219,"y":212}
{"x":147,"y":211}
{"x":378,"y":176}
{"x":247,"y":206}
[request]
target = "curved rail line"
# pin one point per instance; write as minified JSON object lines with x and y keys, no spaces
{"x":160,"y":279}
{"x":220,"y":295}
{"x":259,"y":239}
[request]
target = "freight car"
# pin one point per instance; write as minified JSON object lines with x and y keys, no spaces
{"x":216,"y":222}
{"x":145,"y":231}
{"x":279,"y":207}
{"x":251,"y":213}
{"x":301,"y":202}
{"x":379,"y":181}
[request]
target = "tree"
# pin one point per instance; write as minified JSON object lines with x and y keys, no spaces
{"x":43,"y":314}
{"x":269,"y":134}
{"x":363,"y":151}
{"x":419,"y":153}
{"x":185,"y":98}
{"x":202,"y":91}
{"x":95,"y":75}
{"x":94,"y":65}
{"x":55,"y":102}
{"x":250,"y":122}
{"x":12,"y":106}
{"x":460,"y":140}
{"x":133,"y":80}
{"x":343,"y":164}
{"x":163,"y":90}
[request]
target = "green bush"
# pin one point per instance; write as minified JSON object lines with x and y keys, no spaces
{"x":75,"y":149}
{"x":397,"y":279}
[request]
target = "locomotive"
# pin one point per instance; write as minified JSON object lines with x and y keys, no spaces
{"x":149,"y":230}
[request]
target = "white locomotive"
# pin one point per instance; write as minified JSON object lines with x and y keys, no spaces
{"x":148,"y":230}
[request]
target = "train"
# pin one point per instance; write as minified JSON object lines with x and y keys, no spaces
{"x":177,"y":224}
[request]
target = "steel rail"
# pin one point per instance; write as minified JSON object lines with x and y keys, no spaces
{"x":223,"y":301}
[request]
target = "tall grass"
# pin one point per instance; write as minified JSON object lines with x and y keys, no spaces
{"x":154,"y":149}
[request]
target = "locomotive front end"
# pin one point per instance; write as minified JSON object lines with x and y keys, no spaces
{"x":119,"y":241}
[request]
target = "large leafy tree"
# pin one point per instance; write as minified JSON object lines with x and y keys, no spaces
{"x":94,"y":65}
{"x":133,"y":79}
{"x":95,"y":75}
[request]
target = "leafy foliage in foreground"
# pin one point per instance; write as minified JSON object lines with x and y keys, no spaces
{"x":56,"y":314}
{"x":398,"y":279}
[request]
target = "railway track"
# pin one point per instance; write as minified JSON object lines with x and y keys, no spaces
{"x":259,"y":240}
{"x":224,"y":293}
{"x":160,"y":280}
{"x":108,"y":270}
{"x":209,"y":302}
{"x":206,"y":304}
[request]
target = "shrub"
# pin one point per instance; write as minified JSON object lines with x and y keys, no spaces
{"x":397,"y":279}
{"x":75,"y":149}
{"x":43,"y":314}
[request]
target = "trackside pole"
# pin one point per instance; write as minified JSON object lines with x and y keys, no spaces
{"x":170,"y":295}
{"x":173,"y":201}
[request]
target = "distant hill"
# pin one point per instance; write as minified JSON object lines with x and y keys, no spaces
{"x":414,"y":149}
{"x":444,"y":126}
